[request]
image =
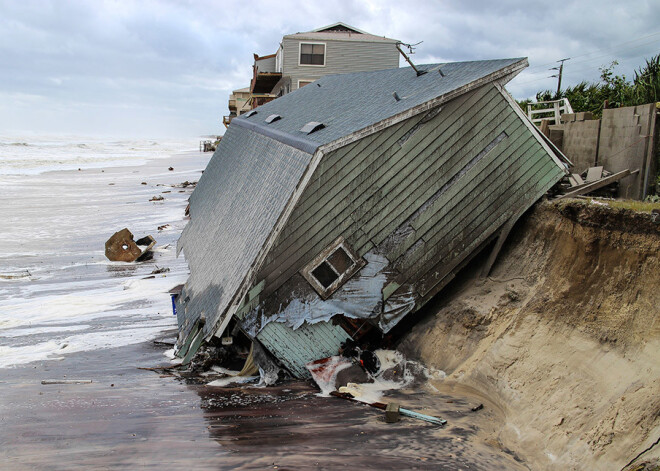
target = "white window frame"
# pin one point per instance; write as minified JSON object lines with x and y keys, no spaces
{"x":309,"y":81}
{"x":324,"y":292}
{"x":325,"y":53}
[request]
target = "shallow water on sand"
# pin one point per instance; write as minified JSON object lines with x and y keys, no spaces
{"x":129,"y":418}
{"x":58,"y":292}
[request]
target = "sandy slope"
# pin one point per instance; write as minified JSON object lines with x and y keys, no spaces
{"x":564,"y":336}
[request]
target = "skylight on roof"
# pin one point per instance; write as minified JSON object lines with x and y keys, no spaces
{"x":311,"y":127}
{"x":272,"y":118}
{"x":250,"y":113}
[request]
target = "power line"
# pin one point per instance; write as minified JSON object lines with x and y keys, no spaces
{"x":575,"y":70}
{"x":609,"y":50}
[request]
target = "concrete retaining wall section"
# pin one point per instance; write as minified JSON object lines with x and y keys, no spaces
{"x":626,"y":139}
{"x":623,"y":139}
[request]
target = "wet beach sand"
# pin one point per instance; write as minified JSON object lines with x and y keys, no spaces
{"x":130,"y":418}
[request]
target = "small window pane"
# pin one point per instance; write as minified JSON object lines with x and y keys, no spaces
{"x":312,"y":54}
{"x":340,"y":260}
{"x":324,"y":274}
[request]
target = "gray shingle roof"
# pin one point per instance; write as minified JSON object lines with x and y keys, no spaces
{"x":233,"y":210}
{"x":347,"y":103}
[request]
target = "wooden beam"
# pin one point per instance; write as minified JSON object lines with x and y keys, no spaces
{"x":504,"y":233}
{"x":598,"y":184}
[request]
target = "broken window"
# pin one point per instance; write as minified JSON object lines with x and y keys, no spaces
{"x":332,"y":268}
{"x":312,"y":54}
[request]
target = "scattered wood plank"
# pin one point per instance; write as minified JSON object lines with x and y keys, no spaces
{"x":576,"y":179}
{"x":589,"y":187}
{"x":66,"y":381}
{"x":504,"y":233}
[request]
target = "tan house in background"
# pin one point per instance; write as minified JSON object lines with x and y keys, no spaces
{"x":305,"y":57}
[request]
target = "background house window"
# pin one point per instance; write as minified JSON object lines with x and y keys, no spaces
{"x":312,"y":54}
{"x":302,"y":83}
{"x":332,"y":268}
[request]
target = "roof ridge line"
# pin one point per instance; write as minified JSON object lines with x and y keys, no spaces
{"x":510,"y":71}
{"x":299,"y":143}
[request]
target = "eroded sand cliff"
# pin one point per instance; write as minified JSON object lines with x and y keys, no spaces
{"x":564,"y":336}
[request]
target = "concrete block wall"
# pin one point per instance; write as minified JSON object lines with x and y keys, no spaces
{"x":580,"y":143}
{"x":626,"y":140}
{"x":622,"y":139}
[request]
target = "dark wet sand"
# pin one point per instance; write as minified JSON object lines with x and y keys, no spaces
{"x":135,"y":419}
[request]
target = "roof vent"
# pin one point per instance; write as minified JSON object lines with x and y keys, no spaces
{"x":250,"y":113}
{"x":396,"y":96}
{"x":441,"y":74}
{"x":311,"y":127}
{"x":272,"y":118}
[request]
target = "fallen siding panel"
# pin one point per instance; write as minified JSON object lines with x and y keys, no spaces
{"x":295,"y":348}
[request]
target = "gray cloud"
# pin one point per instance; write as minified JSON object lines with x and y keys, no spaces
{"x":166,"y":67}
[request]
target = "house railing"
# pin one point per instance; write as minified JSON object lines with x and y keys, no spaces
{"x":550,"y":110}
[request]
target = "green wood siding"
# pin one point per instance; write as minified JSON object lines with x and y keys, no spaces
{"x":452,"y":178}
{"x":295,"y":348}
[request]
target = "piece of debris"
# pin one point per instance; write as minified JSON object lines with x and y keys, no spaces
{"x":402,"y":411}
{"x":122,"y":248}
{"x":392,"y":413}
{"x":163,"y":227}
{"x":66,"y":381}
{"x":476,"y":408}
{"x":157,"y":198}
{"x":143,"y":183}
{"x":170,"y":169}
{"x":15,"y":276}
{"x":158,"y":271}
{"x":592,"y":185}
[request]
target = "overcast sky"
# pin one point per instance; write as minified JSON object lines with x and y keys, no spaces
{"x":156,"y":68}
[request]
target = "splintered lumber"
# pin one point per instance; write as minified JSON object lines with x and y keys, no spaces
{"x":589,"y":187}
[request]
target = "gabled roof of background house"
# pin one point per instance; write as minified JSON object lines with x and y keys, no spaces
{"x":255,"y":177}
{"x":347,"y":103}
{"x":340,"y":31}
{"x":338,"y":27}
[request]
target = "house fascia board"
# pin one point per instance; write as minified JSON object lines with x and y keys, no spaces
{"x":365,"y":38}
{"x":534,"y":130}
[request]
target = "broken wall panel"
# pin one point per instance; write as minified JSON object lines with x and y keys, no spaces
{"x":295,"y":348}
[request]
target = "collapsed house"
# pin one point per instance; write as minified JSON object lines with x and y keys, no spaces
{"x":348,"y":204}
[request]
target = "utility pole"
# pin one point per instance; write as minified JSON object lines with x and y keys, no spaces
{"x":561,"y":70}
